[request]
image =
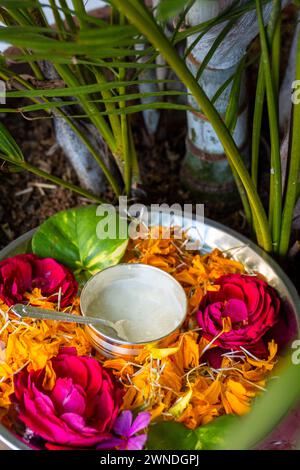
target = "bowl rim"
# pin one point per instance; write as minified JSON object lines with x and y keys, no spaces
{"x":137,"y":343}
{"x":15,"y":443}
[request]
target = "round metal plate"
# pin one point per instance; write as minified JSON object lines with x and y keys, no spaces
{"x":213,"y":235}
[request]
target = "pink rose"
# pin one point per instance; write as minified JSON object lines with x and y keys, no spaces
{"x":252,"y":306}
{"x":79,"y":411}
{"x":22,"y":273}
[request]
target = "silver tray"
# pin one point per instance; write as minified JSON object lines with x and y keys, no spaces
{"x":213,"y":235}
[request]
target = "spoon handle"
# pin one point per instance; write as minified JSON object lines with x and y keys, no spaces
{"x":27,"y":311}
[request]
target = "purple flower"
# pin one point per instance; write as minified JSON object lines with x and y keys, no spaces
{"x":127,"y":428}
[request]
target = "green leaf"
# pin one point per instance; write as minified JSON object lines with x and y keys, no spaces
{"x":79,"y":90}
{"x":232,"y":111}
{"x":175,"y":436}
{"x":168,"y":8}
{"x":71,"y":238}
{"x":8,"y":146}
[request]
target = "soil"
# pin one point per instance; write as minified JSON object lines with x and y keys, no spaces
{"x":27,"y":200}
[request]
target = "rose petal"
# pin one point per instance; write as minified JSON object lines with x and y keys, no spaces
{"x":77,"y":423}
{"x":68,"y":397}
{"x":236,"y":310}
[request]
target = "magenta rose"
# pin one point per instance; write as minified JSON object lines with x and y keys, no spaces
{"x":22,"y":273}
{"x":79,"y":411}
{"x":252,"y":306}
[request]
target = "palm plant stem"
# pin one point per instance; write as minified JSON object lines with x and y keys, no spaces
{"x":145,"y":23}
{"x":293,"y":186}
{"x":275,"y":203}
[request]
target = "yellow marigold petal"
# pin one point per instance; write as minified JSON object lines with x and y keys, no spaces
{"x":162,"y":353}
{"x":196,"y":297}
{"x":171,"y":376}
{"x":130,"y":399}
{"x":197,"y":263}
{"x":266,"y":364}
{"x":212,"y":288}
{"x":186,"y":278}
{"x":238,"y":406}
{"x":212,"y":394}
{"x":227,"y":325}
{"x":119,"y":365}
{"x":6,"y":389}
{"x":50,"y":377}
{"x":157,"y":411}
{"x":188,"y":354}
{"x":273,"y":348}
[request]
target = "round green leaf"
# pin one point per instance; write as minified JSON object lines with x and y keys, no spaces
{"x":71,"y":238}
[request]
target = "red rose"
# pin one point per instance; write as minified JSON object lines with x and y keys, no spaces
{"x":22,"y":273}
{"x":79,"y":411}
{"x":15,"y":278}
{"x":252,"y":306}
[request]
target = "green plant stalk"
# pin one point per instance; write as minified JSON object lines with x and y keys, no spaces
{"x":261,"y":88}
{"x":244,"y":199}
{"x":274,"y":42}
{"x":80,"y":12}
{"x":181,"y":19}
{"x":293,"y":175}
{"x":68,"y":15}
{"x":37,"y":15}
{"x":231,"y":115}
{"x":126,"y":150}
{"x":230,"y":119}
{"x":58,"y":20}
{"x":54,"y":179}
{"x":18,"y":16}
{"x":90,"y":109}
{"x":21,"y":20}
{"x":275,"y":207}
{"x":257,"y":120}
{"x":134,"y":159}
{"x":148,"y":27}
{"x":124,"y":127}
{"x":109,"y":106}
{"x":276,"y":46}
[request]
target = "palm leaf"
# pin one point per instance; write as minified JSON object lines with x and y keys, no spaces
{"x":9,"y":147}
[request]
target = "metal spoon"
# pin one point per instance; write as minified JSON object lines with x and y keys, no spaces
{"x":27,"y":311}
